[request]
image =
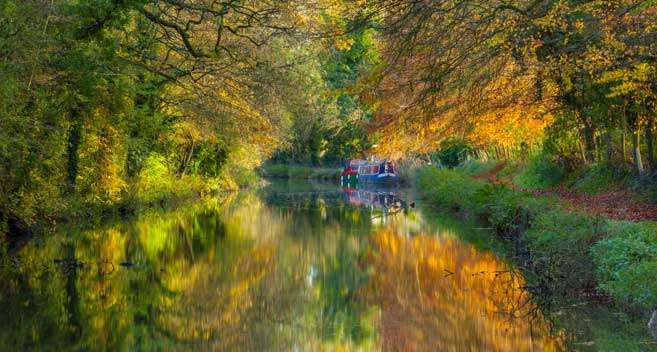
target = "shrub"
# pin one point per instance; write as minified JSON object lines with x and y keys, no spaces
{"x":627,"y":262}
{"x":559,"y":244}
{"x":156,"y":183}
{"x":154,"y":179}
{"x":541,"y":172}
{"x":244,"y":177}
{"x":453,"y":152}
{"x":508,"y":211}
{"x":449,"y":188}
{"x":477,"y":167}
{"x":599,"y":177}
{"x":510,"y":169}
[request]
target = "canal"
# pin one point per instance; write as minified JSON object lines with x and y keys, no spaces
{"x":289,"y":267}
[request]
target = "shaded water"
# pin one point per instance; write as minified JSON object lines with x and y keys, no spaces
{"x":292,"y":267}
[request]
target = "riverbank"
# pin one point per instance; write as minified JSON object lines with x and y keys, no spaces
{"x":562,"y":252}
{"x":155,"y":187}
{"x":598,"y":190}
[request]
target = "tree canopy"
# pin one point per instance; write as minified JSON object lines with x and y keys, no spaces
{"x":104,"y":101}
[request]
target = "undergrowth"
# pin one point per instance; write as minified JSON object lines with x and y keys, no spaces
{"x":540,"y":173}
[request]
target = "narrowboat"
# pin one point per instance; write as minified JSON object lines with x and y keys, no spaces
{"x":381,"y":171}
{"x":350,"y":173}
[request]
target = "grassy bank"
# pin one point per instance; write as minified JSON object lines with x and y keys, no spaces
{"x":562,"y":252}
{"x":300,"y":172}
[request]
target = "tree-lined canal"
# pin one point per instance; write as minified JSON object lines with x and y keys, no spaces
{"x":293,"y":266}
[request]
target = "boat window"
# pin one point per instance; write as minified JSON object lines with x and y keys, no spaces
{"x":376,"y":169}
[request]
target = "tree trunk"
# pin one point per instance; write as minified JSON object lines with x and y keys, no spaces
{"x":188,"y":160}
{"x":624,"y":138}
{"x":636,"y":144}
{"x":598,"y":147}
{"x":609,"y":141}
{"x":72,"y":150}
{"x":624,"y":148}
{"x":651,"y":160}
{"x":589,"y":142}
{"x":581,"y":150}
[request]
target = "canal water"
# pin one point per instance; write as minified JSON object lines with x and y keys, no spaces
{"x":290,"y":267}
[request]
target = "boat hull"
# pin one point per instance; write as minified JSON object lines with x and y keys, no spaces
{"x":378,"y":178}
{"x":349,"y":178}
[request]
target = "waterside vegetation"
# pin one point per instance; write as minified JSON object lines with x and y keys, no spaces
{"x":562,"y":252}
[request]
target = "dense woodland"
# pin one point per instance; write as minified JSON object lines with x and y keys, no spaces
{"x":108,"y":104}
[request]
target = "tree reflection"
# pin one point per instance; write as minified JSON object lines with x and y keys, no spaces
{"x":441,"y":294}
{"x":284,"y":270}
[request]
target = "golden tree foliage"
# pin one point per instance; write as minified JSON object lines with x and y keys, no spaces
{"x":500,"y":110}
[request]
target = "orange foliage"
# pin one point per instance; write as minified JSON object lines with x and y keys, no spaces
{"x":501,"y":112}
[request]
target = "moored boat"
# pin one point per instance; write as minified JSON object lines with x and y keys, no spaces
{"x":350,"y":173}
{"x":381,"y":171}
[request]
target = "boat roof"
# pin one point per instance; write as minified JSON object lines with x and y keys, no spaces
{"x":376,"y":162}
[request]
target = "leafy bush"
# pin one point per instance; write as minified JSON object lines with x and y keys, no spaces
{"x":541,"y":172}
{"x":510,"y":169}
{"x":449,"y":188}
{"x":561,"y":140}
{"x":508,"y":211}
{"x":477,"y":167}
{"x":157,"y":183}
{"x":154,"y":179}
{"x":453,"y":152}
{"x":406,"y":170}
{"x":244,"y":177}
{"x":559,"y":244}
{"x":599,"y":177}
{"x":627,"y":262}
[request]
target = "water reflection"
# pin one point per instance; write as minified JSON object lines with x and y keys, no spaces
{"x":292,"y":267}
{"x":440,"y":294}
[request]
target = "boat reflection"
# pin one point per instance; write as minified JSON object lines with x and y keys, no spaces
{"x":381,"y":200}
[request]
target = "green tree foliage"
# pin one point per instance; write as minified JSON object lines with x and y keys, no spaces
{"x":324,"y":116}
{"x":93,"y":90}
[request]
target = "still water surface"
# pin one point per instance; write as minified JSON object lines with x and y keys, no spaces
{"x":292,"y":267}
